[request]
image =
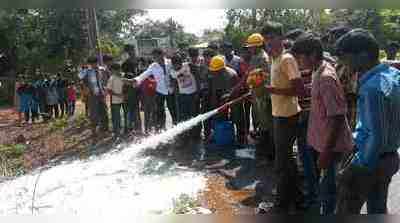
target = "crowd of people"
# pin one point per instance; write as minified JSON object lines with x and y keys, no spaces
{"x":47,"y":99}
{"x":329,"y":95}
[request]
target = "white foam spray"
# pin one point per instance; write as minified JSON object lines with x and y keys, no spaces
{"x":120,"y":183}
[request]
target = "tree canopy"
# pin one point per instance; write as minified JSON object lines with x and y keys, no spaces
{"x":383,"y":23}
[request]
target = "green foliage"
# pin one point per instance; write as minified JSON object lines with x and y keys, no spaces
{"x":11,"y":159}
{"x":59,"y":124}
{"x":184,"y":204}
{"x":178,"y":37}
{"x":81,"y":120}
{"x":383,"y":23}
{"x":12,"y":151}
{"x":107,"y":46}
{"x":43,"y":39}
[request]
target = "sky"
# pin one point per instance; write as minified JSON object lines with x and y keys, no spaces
{"x":193,"y":20}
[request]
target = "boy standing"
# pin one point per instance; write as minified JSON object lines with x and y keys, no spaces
{"x":115,"y":87}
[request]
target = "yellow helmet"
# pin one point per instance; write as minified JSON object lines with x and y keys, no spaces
{"x":217,"y":63}
{"x":255,"y":39}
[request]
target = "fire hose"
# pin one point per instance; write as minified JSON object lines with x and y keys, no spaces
{"x":225,"y":106}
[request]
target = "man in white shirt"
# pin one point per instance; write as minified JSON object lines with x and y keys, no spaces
{"x":187,"y":88}
{"x":231,"y":60}
{"x":160,"y":69}
{"x":114,"y":87}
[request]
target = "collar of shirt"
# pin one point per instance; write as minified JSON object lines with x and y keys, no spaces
{"x":364,"y":78}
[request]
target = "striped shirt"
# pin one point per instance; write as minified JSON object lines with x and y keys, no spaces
{"x":378,"y":120}
{"x":328,"y":101}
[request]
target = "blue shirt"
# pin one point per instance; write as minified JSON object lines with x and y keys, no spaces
{"x":94,"y":82}
{"x":378,"y":115}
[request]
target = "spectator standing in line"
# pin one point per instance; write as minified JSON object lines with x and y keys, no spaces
{"x":328,"y":113}
{"x":368,"y":174}
{"x":96,"y":99}
{"x":52,"y":99}
{"x":71,"y":92}
{"x":115,"y":89}
{"x":286,"y":86}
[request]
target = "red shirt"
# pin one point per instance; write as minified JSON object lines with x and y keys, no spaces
{"x":149,"y":86}
{"x":71,"y":92}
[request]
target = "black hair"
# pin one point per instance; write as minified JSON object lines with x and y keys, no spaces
{"x":358,"y":41}
{"x":115,"y":66}
{"x":274,"y":28}
{"x":294,"y":33}
{"x":393,"y":44}
{"x":338,"y":31}
{"x":213,"y":46}
{"x":308,"y":44}
{"x":193,"y":52}
{"x":209,"y":53}
{"x":157,"y":52}
{"x":176,"y":59}
{"x":92,"y":59}
{"x":227,"y":44}
{"x":287,"y":44}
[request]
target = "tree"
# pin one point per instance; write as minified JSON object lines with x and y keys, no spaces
{"x":45,"y":38}
{"x":243,"y":22}
{"x":169,"y":28}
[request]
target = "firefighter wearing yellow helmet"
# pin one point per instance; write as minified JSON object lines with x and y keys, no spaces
{"x":255,"y":40}
{"x":221,"y":82}
{"x":259,"y":69}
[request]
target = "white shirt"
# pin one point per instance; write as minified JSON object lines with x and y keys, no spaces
{"x":185,"y":78}
{"x":162,"y":79}
{"x":115,"y":84}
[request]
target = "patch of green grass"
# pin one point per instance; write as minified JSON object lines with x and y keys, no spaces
{"x":59,"y":124}
{"x":11,"y":159}
{"x":184,"y":204}
{"x":81,"y":120}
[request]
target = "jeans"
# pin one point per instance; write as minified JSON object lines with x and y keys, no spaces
{"x":285,"y":130}
{"x":149,"y":107}
{"x":63,"y":104}
{"x":359,"y":187}
{"x":71,"y":108}
{"x":98,"y":112}
{"x":244,"y":120}
{"x":186,"y":106}
{"x":116,"y":117}
{"x":160,"y":109}
{"x":328,"y":190}
{"x":308,"y":157}
{"x":172,"y":107}
{"x":53,"y":110}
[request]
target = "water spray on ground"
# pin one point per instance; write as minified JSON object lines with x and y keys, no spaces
{"x":110,"y":184}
